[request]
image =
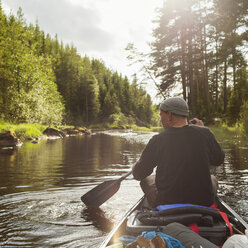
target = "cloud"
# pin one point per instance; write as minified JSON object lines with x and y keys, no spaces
{"x":71,"y":22}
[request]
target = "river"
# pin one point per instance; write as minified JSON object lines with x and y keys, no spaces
{"x":41,"y":185}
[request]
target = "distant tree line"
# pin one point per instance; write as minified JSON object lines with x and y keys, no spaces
{"x":202,"y":46}
{"x":44,"y":81}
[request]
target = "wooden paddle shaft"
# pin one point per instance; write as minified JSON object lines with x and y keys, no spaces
{"x":126,"y":175}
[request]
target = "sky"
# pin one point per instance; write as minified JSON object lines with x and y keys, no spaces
{"x":100,"y":29}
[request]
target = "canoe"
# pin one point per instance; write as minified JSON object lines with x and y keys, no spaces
{"x":130,"y":226}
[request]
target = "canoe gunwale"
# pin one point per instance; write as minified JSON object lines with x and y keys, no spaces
{"x":229,"y":210}
{"x":111,"y":234}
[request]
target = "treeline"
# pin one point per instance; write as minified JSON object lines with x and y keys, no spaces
{"x":44,"y":81}
{"x":201,"y":46}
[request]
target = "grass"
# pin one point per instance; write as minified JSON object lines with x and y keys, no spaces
{"x":145,"y":129}
{"x":227,"y":134}
{"x":23,"y":130}
{"x":228,"y":131}
{"x":108,"y":126}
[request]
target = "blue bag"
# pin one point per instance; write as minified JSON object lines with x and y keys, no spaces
{"x":170,"y":241}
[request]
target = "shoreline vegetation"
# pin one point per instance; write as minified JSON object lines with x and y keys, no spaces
{"x":44,"y":80}
{"x":26,"y":131}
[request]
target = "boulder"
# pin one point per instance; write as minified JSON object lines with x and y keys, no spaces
{"x":76,"y":130}
{"x":9,"y":139}
{"x":83,"y":130}
{"x":53,"y":132}
{"x":88,"y":132}
{"x":71,"y":131}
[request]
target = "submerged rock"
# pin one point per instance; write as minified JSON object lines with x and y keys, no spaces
{"x":9,"y":139}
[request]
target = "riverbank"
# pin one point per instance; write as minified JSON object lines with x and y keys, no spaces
{"x":25,"y":131}
{"x":224,"y":132}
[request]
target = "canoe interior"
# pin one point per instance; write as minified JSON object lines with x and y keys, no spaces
{"x":120,"y":229}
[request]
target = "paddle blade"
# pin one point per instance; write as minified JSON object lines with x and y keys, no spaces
{"x":101,"y":193}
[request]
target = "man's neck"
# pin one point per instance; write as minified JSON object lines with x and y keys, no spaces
{"x":180,"y":122}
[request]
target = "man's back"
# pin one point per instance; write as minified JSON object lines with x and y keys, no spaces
{"x":182,"y":156}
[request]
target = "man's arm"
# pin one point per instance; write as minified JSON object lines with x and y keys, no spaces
{"x":145,"y":165}
{"x":216,"y":155}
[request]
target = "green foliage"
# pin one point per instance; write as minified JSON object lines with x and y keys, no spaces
{"x":234,"y":106}
{"x":43,"y":81}
{"x":238,"y":99}
{"x":23,"y":131}
{"x":28,"y":92}
{"x":140,"y":129}
{"x":156,"y":129}
{"x":4,"y":126}
{"x":120,"y":121}
{"x":227,"y":133}
{"x":93,"y":93}
{"x":26,"y":131}
{"x":200,"y":46}
{"x":244,"y":117}
{"x":155,"y":120}
{"x":38,"y":101}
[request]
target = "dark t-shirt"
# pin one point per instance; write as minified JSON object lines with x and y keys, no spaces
{"x":182,"y":157}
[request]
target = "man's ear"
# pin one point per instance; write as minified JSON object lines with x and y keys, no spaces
{"x":170,"y":116}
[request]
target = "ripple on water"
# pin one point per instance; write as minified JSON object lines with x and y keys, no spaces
{"x":57,"y":217}
{"x":132,"y":137}
{"x":49,"y":217}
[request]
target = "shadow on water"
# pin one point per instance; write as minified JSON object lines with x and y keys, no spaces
{"x":9,"y":151}
{"x":97,"y":218}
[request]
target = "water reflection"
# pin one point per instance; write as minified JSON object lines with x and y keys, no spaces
{"x":41,"y":185}
{"x":233,"y":176}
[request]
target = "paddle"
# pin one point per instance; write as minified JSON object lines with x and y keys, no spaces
{"x":102,"y":192}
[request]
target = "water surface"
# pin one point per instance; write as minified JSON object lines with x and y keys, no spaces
{"x":41,"y":185}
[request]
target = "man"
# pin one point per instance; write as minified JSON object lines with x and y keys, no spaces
{"x":182,"y":154}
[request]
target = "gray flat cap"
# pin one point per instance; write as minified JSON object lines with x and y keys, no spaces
{"x":175,"y":105}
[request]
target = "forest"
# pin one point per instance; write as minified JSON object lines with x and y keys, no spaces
{"x":201,"y":48}
{"x":44,"y":81}
{"x":199,"y":52}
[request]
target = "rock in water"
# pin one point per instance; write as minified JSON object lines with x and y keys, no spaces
{"x":53,"y":132}
{"x":9,"y":139}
